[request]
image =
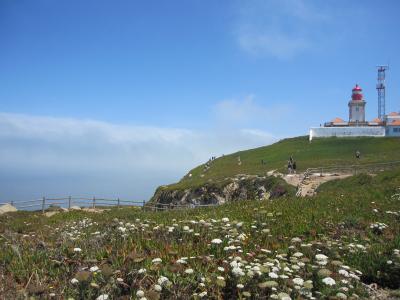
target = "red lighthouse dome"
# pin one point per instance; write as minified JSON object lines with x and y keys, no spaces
{"x":357,"y":93}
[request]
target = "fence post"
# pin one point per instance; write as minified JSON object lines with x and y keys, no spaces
{"x":94,"y":202}
{"x":69,"y":202}
{"x":43,"y":204}
{"x":118,"y":202}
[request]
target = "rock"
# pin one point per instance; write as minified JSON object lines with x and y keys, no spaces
{"x":341,"y":296}
{"x":50,"y":213}
{"x":93,"y":210}
{"x":75,"y":207}
{"x":7,"y":208}
{"x":240,"y":187}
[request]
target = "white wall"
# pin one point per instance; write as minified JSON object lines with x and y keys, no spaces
{"x":393,"y":131}
{"x":346,"y":131}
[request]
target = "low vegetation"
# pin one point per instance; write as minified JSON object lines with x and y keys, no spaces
{"x":330,"y":245}
{"x":320,"y":152}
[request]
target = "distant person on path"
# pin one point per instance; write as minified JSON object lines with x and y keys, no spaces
{"x":289,"y":166}
{"x":358,"y":154}
{"x":294,"y":167}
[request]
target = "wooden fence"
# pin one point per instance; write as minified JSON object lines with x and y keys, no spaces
{"x":67,"y":202}
{"x":371,"y":168}
{"x":161,"y":206}
{"x":354,"y":169}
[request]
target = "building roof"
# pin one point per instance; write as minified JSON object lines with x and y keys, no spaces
{"x":376,"y":120}
{"x":338,"y":120}
{"x":357,"y":88}
{"x":394,"y":123}
{"x":394,"y":114}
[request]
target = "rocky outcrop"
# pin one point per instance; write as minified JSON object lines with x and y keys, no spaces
{"x":7,"y":208}
{"x":241,"y":187}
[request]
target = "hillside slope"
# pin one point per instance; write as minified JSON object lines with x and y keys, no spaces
{"x":320,"y":152}
{"x":225,"y":170}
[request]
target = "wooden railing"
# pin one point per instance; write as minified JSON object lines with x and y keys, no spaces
{"x":68,"y":202}
{"x":162,"y":206}
{"x":354,"y":169}
{"x":351,"y":169}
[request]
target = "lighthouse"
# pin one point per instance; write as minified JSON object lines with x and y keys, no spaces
{"x":357,"y":107}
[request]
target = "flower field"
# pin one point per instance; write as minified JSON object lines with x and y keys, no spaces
{"x":327,"y":247}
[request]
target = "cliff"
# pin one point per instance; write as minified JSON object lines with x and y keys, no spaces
{"x":240,"y":187}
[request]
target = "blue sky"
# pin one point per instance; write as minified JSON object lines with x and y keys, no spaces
{"x":117,"y":97}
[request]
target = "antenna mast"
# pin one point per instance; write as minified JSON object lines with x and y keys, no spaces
{"x":380,"y":87}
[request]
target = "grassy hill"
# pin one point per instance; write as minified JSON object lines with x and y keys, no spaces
{"x":320,"y":152}
{"x":321,"y":247}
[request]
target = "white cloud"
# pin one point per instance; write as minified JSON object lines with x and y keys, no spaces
{"x":278,"y":28}
{"x":42,"y":155}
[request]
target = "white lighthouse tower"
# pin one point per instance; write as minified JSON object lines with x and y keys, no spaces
{"x":357,"y":107}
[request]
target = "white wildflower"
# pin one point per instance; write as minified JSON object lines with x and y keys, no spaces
{"x":298,"y":281}
{"x":157,"y":261}
{"x":321,"y":257}
{"x":237,"y":271}
{"x":298,"y":254}
{"x":181,"y":261}
{"x":273,"y":275}
{"x":94,"y":269}
{"x":216,"y":241}
{"x":163,"y":280}
{"x":139,"y":293}
{"x":157,"y":288}
{"x":329,"y":281}
{"x":203,"y":294}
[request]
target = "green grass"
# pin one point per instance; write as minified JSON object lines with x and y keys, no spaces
{"x":37,"y":252}
{"x":321,"y":152}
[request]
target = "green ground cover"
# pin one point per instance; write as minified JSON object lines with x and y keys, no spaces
{"x":319,"y":153}
{"x":307,"y":248}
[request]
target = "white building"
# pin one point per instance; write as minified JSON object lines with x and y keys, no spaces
{"x":356,"y":124}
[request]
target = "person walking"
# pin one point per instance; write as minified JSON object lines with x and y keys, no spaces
{"x":358,"y":154}
{"x":290,"y":167}
{"x":294,"y":166}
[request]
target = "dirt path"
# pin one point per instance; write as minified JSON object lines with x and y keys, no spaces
{"x":307,"y":185}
